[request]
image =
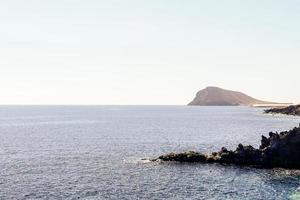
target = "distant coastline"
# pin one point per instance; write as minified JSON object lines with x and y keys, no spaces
{"x":288,"y":110}
{"x":215,"y":96}
{"x":272,"y":105}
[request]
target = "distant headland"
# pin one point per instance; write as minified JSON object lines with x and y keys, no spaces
{"x":215,"y":96}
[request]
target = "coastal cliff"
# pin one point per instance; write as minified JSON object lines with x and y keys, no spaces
{"x":280,"y":150}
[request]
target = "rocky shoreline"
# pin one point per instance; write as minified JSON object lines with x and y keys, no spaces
{"x":290,"y":110}
{"x":279,"y":150}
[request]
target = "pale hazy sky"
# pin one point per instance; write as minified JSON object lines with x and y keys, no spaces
{"x":147,"y":51}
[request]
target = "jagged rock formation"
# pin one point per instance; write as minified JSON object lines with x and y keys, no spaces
{"x":278,"y":150}
{"x":214,"y":96}
{"x":290,"y":110}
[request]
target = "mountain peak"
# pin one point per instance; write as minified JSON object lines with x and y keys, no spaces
{"x":216,"y":96}
{"x":213,"y":88}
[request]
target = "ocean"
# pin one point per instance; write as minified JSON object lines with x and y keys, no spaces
{"x":97,"y":152}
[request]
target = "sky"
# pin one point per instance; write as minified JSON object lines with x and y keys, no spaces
{"x":147,"y":52}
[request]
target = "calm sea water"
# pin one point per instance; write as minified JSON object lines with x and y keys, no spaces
{"x":80,"y":152}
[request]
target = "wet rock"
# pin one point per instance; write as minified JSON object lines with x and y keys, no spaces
{"x":278,"y":150}
{"x":190,"y":156}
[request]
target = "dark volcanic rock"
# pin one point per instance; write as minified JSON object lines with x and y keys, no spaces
{"x":190,"y":156}
{"x":278,"y":150}
{"x":290,"y":110}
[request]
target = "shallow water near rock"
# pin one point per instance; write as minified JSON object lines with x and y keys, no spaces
{"x":96,"y":152}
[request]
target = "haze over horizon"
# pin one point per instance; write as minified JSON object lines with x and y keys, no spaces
{"x":139,"y":52}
